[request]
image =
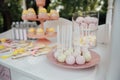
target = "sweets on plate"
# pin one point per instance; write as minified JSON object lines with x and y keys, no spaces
{"x":71,"y":56}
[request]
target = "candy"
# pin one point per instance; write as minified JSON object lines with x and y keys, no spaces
{"x":70,"y":60}
{"x":80,"y":60}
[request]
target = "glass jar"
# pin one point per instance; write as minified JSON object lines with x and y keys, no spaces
{"x":85,"y":26}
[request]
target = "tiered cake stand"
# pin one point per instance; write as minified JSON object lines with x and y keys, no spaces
{"x":42,"y":38}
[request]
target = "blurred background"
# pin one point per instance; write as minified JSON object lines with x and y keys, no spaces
{"x":10,"y":10}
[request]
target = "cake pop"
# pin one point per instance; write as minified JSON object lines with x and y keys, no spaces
{"x":80,"y":60}
{"x":70,"y":60}
{"x":61,"y":58}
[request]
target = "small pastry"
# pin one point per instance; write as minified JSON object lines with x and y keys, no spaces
{"x":80,"y":60}
{"x":70,"y":60}
{"x":3,"y":40}
{"x":31,"y":14}
{"x":54,"y":15}
{"x":50,"y":31}
{"x":61,"y":58}
{"x":31,"y":31}
{"x":24,"y":14}
{"x":87,"y":56}
{"x":43,"y":14}
{"x":39,"y":31}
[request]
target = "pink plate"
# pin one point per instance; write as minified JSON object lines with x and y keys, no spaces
{"x":95,"y":60}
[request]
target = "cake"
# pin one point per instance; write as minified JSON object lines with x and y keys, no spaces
{"x":39,"y":31}
{"x":50,"y":31}
{"x":31,"y":31}
{"x":31,"y":14}
{"x":43,"y":14}
{"x":24,"y":14}
{"x":54,"y":15}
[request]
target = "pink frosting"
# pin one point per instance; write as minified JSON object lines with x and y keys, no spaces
{"x":70,"y":60}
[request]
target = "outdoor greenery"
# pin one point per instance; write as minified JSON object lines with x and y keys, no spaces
{"x":11,"y":10}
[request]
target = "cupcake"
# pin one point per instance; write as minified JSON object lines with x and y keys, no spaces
{"x":31,"y":14}
{"x":24,"y":14}
{"x":31,"y":31}
{"x":54,"y":15}
{"x":50,"y":31}
{"x":40,"y":2}
{"x":39,"y":31}
{"x":43,"y":14}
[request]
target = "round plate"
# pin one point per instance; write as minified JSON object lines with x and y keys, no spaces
{"x":95,"y":60}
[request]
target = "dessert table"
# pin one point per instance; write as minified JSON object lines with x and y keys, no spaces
{"x":39,"y":68}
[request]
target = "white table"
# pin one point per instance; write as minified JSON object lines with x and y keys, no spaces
{"x":39,"y":68}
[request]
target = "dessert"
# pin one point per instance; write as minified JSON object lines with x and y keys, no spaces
{"x":31,"y":31}
{"x":24,"y":14}
{"x":31,"y":14}
{"x":43,"y":14}
{"x":61,"y":58}
{"x":39,"y":31}
{"x":54,"y":15}
{"x":77,"y":56}
{"x":80,"y":60}
{"x":70,"y":60}
{"x":50,"y":31}
{"x":87,"y":56}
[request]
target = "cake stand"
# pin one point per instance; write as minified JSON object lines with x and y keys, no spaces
{"x":43,"y":39}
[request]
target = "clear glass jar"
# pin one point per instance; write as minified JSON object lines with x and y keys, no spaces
{"x":85,"y":26}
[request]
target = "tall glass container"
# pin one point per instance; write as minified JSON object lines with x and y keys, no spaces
{"x":85,"y":26}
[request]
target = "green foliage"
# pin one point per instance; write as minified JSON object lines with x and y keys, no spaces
{"x":71,"y":6}
{"x":14,"y":7}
